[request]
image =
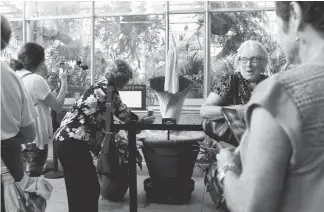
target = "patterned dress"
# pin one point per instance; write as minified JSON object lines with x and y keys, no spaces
{"x":86,"y":121}
{"x":224,"y":88}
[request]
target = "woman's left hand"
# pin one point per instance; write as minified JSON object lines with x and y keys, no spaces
{"x":226,"y":156}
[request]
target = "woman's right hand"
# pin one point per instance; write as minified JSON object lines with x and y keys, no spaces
{"x":147,"y":120}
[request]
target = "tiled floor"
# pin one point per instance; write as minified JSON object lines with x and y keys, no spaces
{"x":58,"y":201}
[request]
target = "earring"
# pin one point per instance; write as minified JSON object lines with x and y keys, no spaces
{"x":297,"y":38}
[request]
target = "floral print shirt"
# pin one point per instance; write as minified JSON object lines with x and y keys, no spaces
{"x":86,"y":120}
{"x":243,"y":89}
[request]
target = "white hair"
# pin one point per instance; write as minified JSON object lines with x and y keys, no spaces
{"x":253,"y":44}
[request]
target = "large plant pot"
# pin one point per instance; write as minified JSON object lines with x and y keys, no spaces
{"x":170,"y":165}
{"x":114,"y":188}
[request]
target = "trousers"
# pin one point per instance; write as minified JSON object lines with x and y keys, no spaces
{"x":82,"y":185}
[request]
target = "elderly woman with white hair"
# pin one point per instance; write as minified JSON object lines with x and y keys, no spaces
{"x":234,"y":90}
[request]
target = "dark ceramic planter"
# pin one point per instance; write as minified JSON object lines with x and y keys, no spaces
{"x":170,"y":165}
{"x":114,"y":188}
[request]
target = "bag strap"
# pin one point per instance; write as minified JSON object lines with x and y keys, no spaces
{"x":109,"y":108}
{"x":234,"y":89}
{"x":25,"y":75}
{"x":108,"y":121}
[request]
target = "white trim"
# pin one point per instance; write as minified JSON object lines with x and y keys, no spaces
{"x":127,"y":14}
{"x":187,"y":11}
{"x":41,"y":18}
{"x":219,"y":10}
{"x":93,"y":43}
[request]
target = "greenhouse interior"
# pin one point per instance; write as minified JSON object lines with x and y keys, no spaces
{"x":177,"y":49}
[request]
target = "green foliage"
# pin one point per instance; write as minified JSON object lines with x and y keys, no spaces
{"x":193,"y":68}
{"x":125,"y":37}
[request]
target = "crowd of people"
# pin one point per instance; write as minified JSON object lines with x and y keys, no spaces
{"x":279,"y":163}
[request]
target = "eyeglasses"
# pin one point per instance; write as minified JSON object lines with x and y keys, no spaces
{"x":253,"y":60}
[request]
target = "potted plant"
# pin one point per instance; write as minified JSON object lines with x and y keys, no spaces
{"x":114,"y":186}
{"x":170,"y":162}
{"x":208,"y":165}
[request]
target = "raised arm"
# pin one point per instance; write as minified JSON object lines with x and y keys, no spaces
{"x":56,"y":102}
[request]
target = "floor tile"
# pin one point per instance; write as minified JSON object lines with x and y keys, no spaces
{"x":58,"y":200}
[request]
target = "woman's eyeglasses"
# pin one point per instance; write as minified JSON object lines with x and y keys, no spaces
{"x":253,"y":60}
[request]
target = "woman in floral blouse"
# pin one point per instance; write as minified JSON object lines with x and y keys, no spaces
{"x":251,"y":62}
{"x":80,"y":131}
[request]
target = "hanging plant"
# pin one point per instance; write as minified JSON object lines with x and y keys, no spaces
{"x":219,"y":24}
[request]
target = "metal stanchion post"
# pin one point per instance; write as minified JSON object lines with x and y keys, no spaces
{"x":55,"y":173}
{"x":132,"y":168}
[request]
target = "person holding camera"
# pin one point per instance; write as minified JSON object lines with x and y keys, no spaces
{"x":29,"y":66}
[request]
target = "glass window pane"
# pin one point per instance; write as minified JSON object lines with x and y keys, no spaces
{"x":57,"y":8}
{"x":241,"y":4}
{"x":186,"y":5}
{"x":140,"y":40}
{"x":65,"y":40}
{"x":15,"y":42}
{"x":188,"y":32}
{"x":230,"y":29}
{"x":129,"y":7}
{"x":12,"y":9}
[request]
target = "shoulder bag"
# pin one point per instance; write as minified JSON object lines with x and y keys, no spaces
{"x":113,"y":176}
{"x":218,"y":129}
{"x":13,"y":196}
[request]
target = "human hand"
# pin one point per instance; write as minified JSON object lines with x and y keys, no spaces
{"x":63,"y":75}
{"x":54,"y":93}
{"x":148,"y":120}
{"x":227,"y":156}
{"x":238,"y":128}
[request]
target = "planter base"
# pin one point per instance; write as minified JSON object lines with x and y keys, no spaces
{"x":113,"y":189}
{"x":166,"y":194}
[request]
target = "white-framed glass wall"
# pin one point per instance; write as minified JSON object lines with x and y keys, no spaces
{"x":96,"y":32}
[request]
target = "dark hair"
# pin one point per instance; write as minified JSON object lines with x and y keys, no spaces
{"x":312,"y":13}
{"x":5,"y":32}
{"x":119,"y":72}
{"x":30,"y":56}
{"x":15,"y":65}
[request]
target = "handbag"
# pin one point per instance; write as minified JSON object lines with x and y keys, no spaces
{"x":107,"y":157}
{"x":28,"y":195}
{"x":113,"y":176}
{"x":218,"y":129}
{"x":14,"y":198}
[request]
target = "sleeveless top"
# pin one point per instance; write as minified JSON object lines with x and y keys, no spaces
{"x":295,"y":99}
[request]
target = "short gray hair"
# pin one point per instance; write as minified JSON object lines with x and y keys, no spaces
{"x":118,"y":71}
{"x":254,"y":44}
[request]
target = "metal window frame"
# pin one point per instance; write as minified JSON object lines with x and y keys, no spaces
{"x":207,"y":11}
